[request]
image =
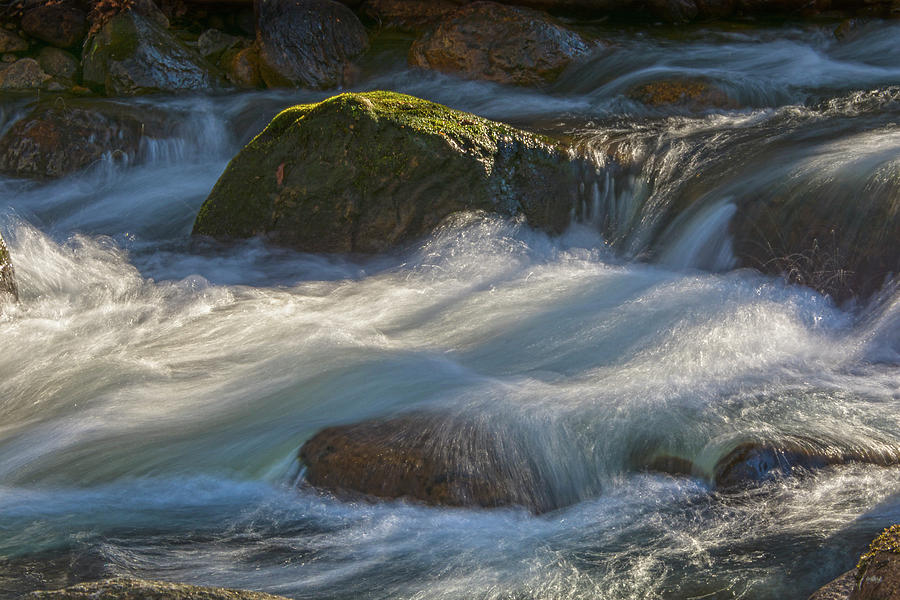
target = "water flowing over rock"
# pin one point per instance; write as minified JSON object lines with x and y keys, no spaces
{"x":487,"y":40}
{"x":61,"y":25}
{"x":7,"y":275}
{"x":55,"y":140}
{"x":755,"y":462}
{"x":133,"y":53}
{"x":439,"y":460}
{"x":307,"y":43}
{"x":139,"y":589}
{"x":695,"y":94}
{"x":368,"y":172}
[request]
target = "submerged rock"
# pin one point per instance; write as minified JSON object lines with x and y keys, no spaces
{"x":367,"y":172}
{"x":139,"y":589}
{"x":7,"y":275}
{"x":755,"y":462}
{"x":437,"y":460}
{"x":132,"y":53}
{"x":692,"y":93}
{"x":307,"y":43}
{"x":506,"y":44}
{"x":55,"y":140}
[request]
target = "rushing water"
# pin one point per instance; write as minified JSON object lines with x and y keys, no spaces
{"x":154,"y":391}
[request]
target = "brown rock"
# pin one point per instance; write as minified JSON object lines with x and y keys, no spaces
{"x":880,"y":579}
{"x":695,"y":94}
{"x":307,"y":43}
{"x":60,"y":25}
{"x":24,"y":74}
{"x":438,"y":460}
{"x":411,"y":15}
{"x":242,"y":68}
{"x":58,"y":63}
{"x":10,"y":42}
{"x":487,"y":40}
{"x":57,"y":140}
{"x":138,"y":589}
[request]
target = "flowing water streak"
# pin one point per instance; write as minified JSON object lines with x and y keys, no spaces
{"x":157,"y":391}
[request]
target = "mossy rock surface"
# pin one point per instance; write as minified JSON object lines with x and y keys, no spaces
{"x":878,"y":571}
{"x":7,"y":275}
{"x":134,"y":54}
{"x":139,"y":589}
{"x":368,"y":172}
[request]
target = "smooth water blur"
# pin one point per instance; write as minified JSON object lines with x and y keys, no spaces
{"x":155,"y":390}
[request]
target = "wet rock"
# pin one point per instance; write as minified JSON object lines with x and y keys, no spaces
{"x":7,"y":275}
{"x":437,"y":460}
{"x":755,"y":462}
{"x":410,"y":15}
{"x":132,"y":53}
{"x":24,"y":74}
{"x":212,"y":43}
{"x":694,"y":94}
{"x":61,"y":25}
{"x":368,"y":172}
{"x":487,"y":40}
{"x":138,"y":589}
{"x":10,"y":42}
{"x":58,"y":63}
{"x":307,"y":43}
{"x":838,"y":589}
{"x":55,"y":140}
{"x":838,"y":239}
{"x":242,"y":68}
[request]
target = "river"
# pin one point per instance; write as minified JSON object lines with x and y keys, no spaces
{"x":154,"y":390}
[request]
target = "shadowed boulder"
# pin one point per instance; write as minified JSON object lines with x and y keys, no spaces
{"x":439,"y":460}
{"x":7,"y":275}
{"x":138,"y":589}
{"x":133,"y":53}
{"x":369,"y":172}
{"x":506,"y":44}
{"x":307,"y":43}
{"x":58,"y":139}
{"x":62,"y":25}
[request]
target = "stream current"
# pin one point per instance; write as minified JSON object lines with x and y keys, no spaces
{"x":154,"y":390}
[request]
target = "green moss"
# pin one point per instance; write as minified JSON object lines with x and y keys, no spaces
{"x":362,"y":172}
{"x":887,"y":541}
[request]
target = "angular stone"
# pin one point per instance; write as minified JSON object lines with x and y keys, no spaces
{"x":307,"y":43}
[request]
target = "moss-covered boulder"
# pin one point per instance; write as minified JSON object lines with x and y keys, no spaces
{"x":506,"y":44}
{"x":7,"y":275}
{"x":133,"y":53}
{"x":58,"y":139}
{"x":436,"y":459}
{"x":367,"y":172}
{"x":307,"y":43}
{"x":139,"y":589}
{"x":878,"y":571}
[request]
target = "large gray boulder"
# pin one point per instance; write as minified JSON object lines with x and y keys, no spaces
{"x":308,"y":43}
{"x":369,"y":172}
